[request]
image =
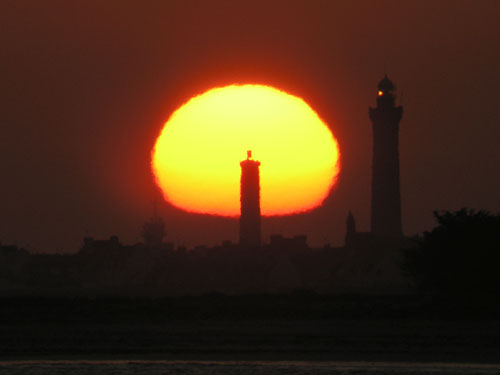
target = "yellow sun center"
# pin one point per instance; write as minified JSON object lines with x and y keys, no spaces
{"x":196,"y":158}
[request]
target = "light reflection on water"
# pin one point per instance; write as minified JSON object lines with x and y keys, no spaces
{"x":140,"y":367}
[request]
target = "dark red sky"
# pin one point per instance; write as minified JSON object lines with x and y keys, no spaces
{"x":87,"y":85}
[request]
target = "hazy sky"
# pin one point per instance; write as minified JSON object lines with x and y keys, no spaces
{"x":87,"y":85}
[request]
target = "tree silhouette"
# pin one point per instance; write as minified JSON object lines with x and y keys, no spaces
{"x":460,"y":256}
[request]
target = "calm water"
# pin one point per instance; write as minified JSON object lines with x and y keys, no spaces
{"x":239,"y":368}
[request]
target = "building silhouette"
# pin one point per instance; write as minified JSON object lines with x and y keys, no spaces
{"x":386,"y":195}
{"x":250,"y":202}
{"x":153,"y":230}
{"x":359,"y":240}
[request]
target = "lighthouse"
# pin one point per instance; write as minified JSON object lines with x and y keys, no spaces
{"x":386,"y":195}
{"x":250,"y":202}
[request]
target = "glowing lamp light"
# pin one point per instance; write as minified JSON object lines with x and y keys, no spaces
{"x":380,"y":93}
{"x":196,"y":158}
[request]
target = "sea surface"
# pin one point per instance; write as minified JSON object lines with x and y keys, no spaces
{"x":140,"y":367}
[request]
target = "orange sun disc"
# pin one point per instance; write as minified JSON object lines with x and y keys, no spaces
{"x":196,"y":158}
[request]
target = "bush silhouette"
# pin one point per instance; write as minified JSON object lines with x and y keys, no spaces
{"x":461,"y":255}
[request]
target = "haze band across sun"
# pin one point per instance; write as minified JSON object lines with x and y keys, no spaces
{"x":196,"y":157}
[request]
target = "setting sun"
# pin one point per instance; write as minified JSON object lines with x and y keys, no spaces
{"x":196,"y":158}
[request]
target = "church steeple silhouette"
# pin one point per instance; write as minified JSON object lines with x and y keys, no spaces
{"x":386,"y":195}
{"x":250,"y":202}
{"x":350,"y":231}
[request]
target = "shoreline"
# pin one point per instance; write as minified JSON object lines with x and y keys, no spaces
{"x":262,"y":340}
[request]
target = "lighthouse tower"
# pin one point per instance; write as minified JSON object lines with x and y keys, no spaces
{"x":250,"y":202}
{"x":386,"y":195}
